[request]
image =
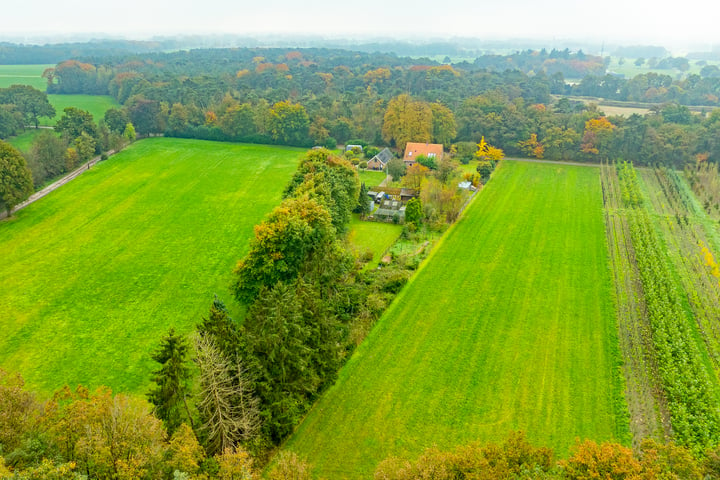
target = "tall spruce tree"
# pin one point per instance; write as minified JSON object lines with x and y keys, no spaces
{"x":172,"y":382}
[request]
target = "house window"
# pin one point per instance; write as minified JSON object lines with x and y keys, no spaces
{"x":431,"y":155}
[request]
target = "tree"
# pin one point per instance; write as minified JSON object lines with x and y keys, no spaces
{"x":108,"y":437}
{"x":221,"y":328}
{"x":116,"y":119}
{"x":414,"y":211}
{"x":76,"y":121}
{"x":407,"y":120}
{"x":363,"y":203}
{"x":596,"y":136}
{"x":487,"y":152}
{"x":294,"y":232}
{"x":608,"y":460}
{"x":428,"y":162}
{"x":169,"y":395}
{"x":129,"y":132}
{"x":532,"y":147}
{"x":84,"y":146}
{"x":415,"y":175}
{"x":184,"y":452}
{"x":396,"y":168}
{"x":31,"y":102}
{"x":145,"y":115}
{"x":329,"y":179}
{"x":444,"y":128}
{"x":234,"y":464}
{"x":290,"y":467}
{"x":18,"y":411}
{"x":228,"y":411}
{"x":47,"y":152}
{"x":289,"y":123}
{"x":238,"y":121}
{"x":16,"y":182}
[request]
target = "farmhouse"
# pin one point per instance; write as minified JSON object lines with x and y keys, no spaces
{"x":379,"y":161}
{"x":429,"y":150}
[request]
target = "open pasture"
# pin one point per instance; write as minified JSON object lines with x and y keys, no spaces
{"x":97,"y":105}
{"x":96,"y":272}
{"x":23,"y":75}
{"x":509,"y":325}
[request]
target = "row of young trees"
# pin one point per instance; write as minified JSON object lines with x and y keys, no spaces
{"x":692,"y":399}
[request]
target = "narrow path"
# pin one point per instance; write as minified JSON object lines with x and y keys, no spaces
{"x":57,"y":184}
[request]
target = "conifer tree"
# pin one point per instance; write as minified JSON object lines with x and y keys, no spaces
{"x":172,"y":382}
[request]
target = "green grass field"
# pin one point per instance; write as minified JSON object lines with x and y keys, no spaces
{"x":509,"y":325}
{"x":95,"y":273}
{"x":371,"y":178}
{"x":23,"y":75}
{"x":23,"y":142}
{"x":375,"y":236}
{"x":97,"y":105}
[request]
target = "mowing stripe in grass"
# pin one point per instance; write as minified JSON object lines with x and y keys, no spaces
{"x":510,"y":325}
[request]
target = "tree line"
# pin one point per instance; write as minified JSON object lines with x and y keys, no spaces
{"x":327,"y":97}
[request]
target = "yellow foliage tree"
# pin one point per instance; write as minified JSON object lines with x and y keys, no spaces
{"x":532,"y":147}
{"x":487,"y":152}
{"x":235,"y":464}
{"x":407,"y":120}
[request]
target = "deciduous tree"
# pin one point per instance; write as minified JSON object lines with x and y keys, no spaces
{"x":16,"y":183}
{"x":75,"y":121}
{"x":407,"y":120}
{"x":289,"y":123}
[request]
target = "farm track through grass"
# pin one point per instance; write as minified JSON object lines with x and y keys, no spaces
{"x":95,"y":273}
{"x":509,"y":325}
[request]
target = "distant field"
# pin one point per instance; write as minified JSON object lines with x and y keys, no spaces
{"x":622,"y":111}
{"x":97,"y":105}
{"x":23,"y":75}
{"x":95,"y":273}
{"x":509,"y":325}
{"x":23,"y":142}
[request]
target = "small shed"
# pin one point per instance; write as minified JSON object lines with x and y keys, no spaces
{"x":406,"y":194}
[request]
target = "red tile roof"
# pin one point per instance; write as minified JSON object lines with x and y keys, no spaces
{"x":412,"y":150}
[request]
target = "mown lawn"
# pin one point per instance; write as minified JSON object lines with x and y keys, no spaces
{"x":371,"y":177}
{"x":374,"y":236}
{"x":509,"y":325}
{"x":95,"y":273}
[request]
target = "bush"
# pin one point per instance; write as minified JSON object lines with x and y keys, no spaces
{"x":362,"y":165}
{"x":330,"y":143}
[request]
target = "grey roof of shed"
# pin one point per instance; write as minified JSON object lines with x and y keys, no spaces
{"x":384,"y":156}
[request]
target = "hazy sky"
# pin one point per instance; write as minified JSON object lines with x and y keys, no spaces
{"x":628,"y":21}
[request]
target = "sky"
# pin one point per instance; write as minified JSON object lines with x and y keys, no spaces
{"x":658,"y":22}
